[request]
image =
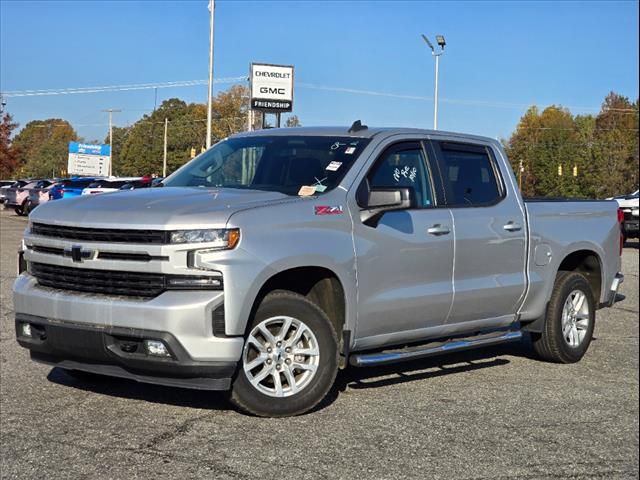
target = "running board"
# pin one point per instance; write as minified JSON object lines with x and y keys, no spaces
{"x":423,"y":351}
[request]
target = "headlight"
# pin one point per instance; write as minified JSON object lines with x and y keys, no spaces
{"x":220,"y":238}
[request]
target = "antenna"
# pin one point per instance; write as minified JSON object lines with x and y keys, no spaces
{"x":357,"y":126}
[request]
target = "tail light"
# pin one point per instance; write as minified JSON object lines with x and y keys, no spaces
{"x":620,"y":224}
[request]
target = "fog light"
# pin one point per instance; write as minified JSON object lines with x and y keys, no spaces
{"x":26,"y":330}
{"x":156,"y":348}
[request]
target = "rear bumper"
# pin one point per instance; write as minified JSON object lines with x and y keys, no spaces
{"x":119,"y":352}
{"x":631,"y":227}
{"x":613,"y":291}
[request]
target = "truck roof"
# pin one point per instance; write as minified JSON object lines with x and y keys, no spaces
{"x":368,"y":132}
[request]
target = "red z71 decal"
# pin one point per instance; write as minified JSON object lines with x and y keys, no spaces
{"x":327,"y":210}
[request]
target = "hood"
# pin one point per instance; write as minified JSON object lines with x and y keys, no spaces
{"x":162,"y":208}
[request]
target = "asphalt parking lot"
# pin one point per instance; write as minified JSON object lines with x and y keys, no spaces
{"x":492,"y":413}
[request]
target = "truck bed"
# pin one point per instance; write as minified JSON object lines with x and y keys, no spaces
{"x":559,"y":227}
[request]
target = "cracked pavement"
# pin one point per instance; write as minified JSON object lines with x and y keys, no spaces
{"x":494,"y":413}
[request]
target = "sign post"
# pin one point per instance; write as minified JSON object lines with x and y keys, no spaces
{"x":271,"y":89}
{"x":89,"y":159}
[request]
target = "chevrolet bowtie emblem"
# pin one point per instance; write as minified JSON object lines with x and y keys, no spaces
{"x":77,"y":254}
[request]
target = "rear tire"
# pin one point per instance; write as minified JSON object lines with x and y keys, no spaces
{"x":290,"y":358}
{"x":22,"y":209}
{"x":28,"y":207}
{"x":569,"y":322}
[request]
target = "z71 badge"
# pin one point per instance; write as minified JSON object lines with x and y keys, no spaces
{"x":328,"y":210}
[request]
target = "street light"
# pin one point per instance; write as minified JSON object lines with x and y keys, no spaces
{"x":441,"y":43}
{"x":212,"y":12}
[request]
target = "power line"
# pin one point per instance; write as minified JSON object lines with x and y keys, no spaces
{"x":312,"y":86}
{"x":119,"y":88}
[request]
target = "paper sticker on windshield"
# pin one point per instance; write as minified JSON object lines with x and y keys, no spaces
{"x":307,"y":190}
{"x":334,"y":166}
{"x":350,"y":150}
{"x":320,"y":188}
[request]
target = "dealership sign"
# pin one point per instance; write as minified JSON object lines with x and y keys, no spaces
{"x":271,"y":87}
{"x":88,"y":159}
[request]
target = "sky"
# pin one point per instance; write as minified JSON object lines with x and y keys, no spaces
{"x":500,"y":58}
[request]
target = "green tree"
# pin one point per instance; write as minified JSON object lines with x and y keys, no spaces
{"x":598,"y":155}
{"x":293,"y":121}
{"x":119,"y":137}
{"x":142,"y":148}
{"x":43,"y":147}
{"x":8,"y":151}
{"x":616,"y":146}
{"x":544,"y":143}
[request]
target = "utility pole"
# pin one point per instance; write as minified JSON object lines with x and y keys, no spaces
{"x":111,"y":111}
{"x":164,"y":160}
{"x":212,"y":11}
{"x":441,"y":42}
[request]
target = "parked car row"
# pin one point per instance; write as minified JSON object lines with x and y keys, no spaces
{"x":25,"y":195}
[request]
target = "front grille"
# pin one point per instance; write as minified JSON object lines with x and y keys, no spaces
{"x":121,"y":256}
{"x":101,"y":234}
{"x":107,"y":282}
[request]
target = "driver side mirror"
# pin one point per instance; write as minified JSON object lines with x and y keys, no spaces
{"x":381,"y":200}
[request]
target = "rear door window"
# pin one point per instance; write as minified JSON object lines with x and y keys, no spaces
{"x":469,"y":175}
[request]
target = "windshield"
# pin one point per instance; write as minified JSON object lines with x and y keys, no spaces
{"x":293,"y":165}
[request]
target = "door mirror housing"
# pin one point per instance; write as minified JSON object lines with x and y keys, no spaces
{"x":381,"y":200}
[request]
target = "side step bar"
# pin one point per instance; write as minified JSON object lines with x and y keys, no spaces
{"x":429,"y":350}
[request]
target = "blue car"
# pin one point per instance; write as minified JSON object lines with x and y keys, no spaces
{"x":71,"y":187}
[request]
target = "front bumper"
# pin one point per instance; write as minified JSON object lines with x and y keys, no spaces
{"x":119,"y":352}
{"x":188,"y":315}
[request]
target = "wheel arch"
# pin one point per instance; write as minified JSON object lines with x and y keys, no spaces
{"x":589,"y":263}
{"x":321,"y":285}
{"x":586,"y":261}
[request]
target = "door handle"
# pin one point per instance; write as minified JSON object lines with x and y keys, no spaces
{"x":512,"y":227}
{"x":438,"y":229}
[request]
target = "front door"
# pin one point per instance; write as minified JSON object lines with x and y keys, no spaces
{"x":405,"y":261}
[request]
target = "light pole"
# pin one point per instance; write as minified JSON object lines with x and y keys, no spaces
{"x":441,"y":43}
{"x":111,"y":111}
{"x":212,"y":12}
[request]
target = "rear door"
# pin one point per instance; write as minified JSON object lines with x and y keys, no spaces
{"x":489,"y":224}
{"x":404,"y":262}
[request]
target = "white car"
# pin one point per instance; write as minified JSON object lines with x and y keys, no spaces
{"x":107,"y":185}
{"x":629,"y":206}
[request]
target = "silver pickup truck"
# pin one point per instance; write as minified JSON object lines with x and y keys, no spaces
{"x":278,"y":257}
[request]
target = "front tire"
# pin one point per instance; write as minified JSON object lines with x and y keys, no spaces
{"x":569,"y":322}
{"x":290,"y":358}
